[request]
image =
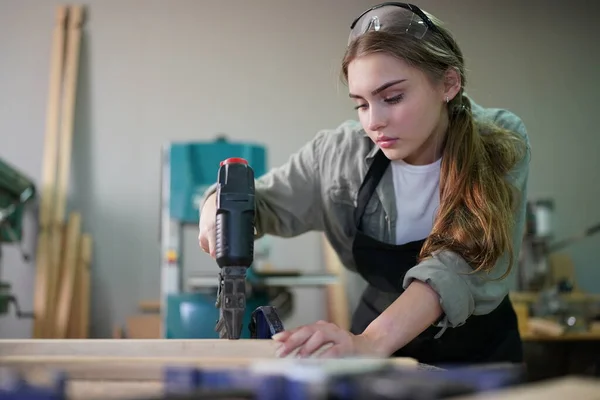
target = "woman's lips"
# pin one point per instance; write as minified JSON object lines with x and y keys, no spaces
{"x":386,"y":142}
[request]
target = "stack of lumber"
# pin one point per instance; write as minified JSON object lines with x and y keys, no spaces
{"x":63,"y":254}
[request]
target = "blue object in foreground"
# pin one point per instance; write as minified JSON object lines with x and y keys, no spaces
{"x":14,"y":387}
{"x":341,"y":379}
{"x":265,"y":323}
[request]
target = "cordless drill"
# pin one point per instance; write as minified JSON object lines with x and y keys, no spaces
{"x":234,"y":242}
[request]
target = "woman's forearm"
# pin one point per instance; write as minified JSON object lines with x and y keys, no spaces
{"x":412,"y":312}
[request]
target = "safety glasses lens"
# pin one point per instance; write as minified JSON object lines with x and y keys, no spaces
{"x":387,"y":16}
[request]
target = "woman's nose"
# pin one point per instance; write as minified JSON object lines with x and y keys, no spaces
{"x":377,"y":119}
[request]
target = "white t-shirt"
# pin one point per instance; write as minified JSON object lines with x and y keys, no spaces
{"x":417,"y":189}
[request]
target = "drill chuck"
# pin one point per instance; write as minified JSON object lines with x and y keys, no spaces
{"x":235,"y":214}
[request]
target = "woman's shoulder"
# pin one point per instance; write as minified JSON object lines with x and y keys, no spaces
{"x":506,"y":120}
{"x":501,"y":117}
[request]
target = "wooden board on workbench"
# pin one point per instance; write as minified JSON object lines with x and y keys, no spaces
{"x":103,"y":368}
{"x":138,"y":347}
{"x":143,"y":348}
{"x":113,"y":390}
{"x":141,"y":359}
{"x":562,"y":388}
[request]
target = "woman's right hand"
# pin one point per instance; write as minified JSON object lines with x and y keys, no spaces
{"x":207,"y":235}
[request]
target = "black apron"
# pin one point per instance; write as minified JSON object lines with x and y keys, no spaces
{"x":482,"y":339}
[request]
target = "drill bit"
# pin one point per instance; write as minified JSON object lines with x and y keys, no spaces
{"x":231,"y":302}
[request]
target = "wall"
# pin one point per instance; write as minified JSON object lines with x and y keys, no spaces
{"x":154,"y":71}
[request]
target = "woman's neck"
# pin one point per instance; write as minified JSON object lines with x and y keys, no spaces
{"x":431,"y":150}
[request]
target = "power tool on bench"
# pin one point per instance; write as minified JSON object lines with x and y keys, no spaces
{"x":235,"y":249}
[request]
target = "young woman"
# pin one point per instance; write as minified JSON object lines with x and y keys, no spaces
{"x":424,"y":199}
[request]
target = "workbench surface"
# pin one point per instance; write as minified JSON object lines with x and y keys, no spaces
{"x":129,"y":368}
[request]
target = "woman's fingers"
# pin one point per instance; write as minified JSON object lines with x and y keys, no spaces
{"x":295,"y":340}
{"x":309,"y":339}
{"x":315,"y":342}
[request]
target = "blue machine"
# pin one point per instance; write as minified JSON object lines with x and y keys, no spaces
{"x":188,"y":170}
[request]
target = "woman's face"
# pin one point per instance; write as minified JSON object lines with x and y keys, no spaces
{"x":399,"y":107}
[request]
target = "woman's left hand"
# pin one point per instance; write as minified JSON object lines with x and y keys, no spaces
{"x":310,"y":339}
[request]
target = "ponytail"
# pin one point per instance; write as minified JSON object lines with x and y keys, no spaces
{"x":475,"y":218}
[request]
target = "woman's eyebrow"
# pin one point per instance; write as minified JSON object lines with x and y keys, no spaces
{"x":379,"y":89}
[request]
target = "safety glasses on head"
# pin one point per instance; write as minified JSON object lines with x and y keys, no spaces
{"x":408,"y":16}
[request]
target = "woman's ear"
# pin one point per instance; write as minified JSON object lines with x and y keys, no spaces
{"x":452,"y":83}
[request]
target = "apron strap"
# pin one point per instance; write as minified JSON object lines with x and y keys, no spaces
{"x":369,"y":184}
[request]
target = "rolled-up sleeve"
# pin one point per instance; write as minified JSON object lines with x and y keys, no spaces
{"x":463,"y":292}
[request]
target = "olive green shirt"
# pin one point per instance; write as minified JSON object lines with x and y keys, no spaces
{"x":316,"y":190}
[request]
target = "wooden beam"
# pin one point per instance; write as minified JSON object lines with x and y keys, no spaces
{"x":85,"y":260}
{"x":570,"y":387}
{"x":57,"y":329}
{"x":113,"y":390}
{"x":337,"y":301}
{"x":47,"y":192}
{"x":252,"y":348}
{"x":118,"y":368}
{"x":152,"y":368}
{"x":68,"y":281}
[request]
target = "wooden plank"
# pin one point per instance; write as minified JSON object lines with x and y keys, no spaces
{"x":68,"y":109}
{"x":55,"y":275}
{"x":574,"y":297}
{"x":152,"y":368}
{"x":561,"y":388}
{"x":138,"y":347}
{"x":68,"y":281}
{"x":337,"y":301}
{"x":85,"y":261}
{"x":149,"y":306}
{"x":145,"y":326}
{"x":113,"y":390}
{"x":73,"y":324}
{"x":49,"y":172}
{"x":117,"y":368}
{"x":73,"y":42}
{"x":144,"y":348}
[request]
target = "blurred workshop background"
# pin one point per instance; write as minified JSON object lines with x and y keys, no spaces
{"x":266,"y":72}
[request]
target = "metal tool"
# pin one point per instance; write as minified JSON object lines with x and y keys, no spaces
{"x":188,"y":169}
{"x":188,"y":297}
{"x":16,"y":190}
{"x":265,"y":323}
{"x":234,"y":242}
{"x":539,"y":243}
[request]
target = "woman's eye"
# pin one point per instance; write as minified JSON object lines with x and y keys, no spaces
{"x":358,"y":107}
{"x":395,"y":99}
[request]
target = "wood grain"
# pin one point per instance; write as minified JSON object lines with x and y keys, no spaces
{"x":113,"y":390}
{"x":47,"y":192}
{"x":117,"y":368}
{"x":252,"y":348}
{"x":337,"y":301}
{"x":559,"y":389}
